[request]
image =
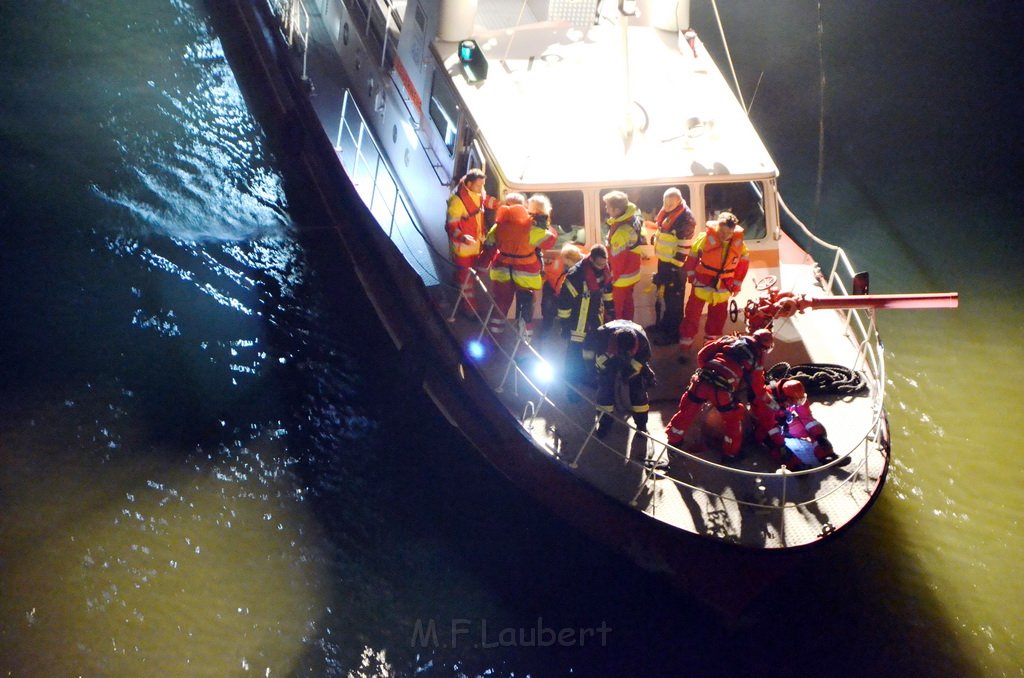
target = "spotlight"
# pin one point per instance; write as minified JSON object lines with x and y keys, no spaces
{"x":543,"y":372}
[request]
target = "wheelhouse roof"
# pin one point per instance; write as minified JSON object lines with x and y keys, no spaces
{"x":553,"y":108}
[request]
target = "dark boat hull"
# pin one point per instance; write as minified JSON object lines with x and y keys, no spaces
{"x":722,"y":575}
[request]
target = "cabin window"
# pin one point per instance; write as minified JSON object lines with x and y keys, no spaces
{"x":567,"y":217}
{"x":444,"y":112}
{"x":745,"y":199}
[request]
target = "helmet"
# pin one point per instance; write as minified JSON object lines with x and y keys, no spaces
{"x":793,"y":390}
{"x":625,"y":342}
{"x":764,"y":339}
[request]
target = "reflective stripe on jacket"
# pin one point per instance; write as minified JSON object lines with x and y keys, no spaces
{"x":466,"y":218}
{"x":672,"y":239}
{"x":585,"y":299}
{"x":714,"y":263}
{"x":625,"y":236}
{"x":518,"y":238}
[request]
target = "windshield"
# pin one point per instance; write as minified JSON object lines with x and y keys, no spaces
{"x":744,"y":199}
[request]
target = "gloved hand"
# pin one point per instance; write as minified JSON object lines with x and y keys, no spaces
{"x":485,"y":258}
{"x":733,"y":286}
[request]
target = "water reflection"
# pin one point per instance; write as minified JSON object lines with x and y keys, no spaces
{"x":122,"y":562}
{"x":164,"y":341}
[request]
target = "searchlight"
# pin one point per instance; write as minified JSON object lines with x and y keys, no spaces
{"x":543,"y":371}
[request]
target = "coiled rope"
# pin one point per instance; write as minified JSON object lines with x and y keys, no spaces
{"x":821,"y":378}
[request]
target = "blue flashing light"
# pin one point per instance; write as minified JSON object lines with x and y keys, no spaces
{"x":475,"y":349}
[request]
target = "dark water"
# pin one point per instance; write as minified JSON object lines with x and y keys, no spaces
{"x":211,"y":466}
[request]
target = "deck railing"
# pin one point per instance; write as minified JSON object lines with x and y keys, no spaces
{"x":533,"y":398}
{"x":527,"y":398}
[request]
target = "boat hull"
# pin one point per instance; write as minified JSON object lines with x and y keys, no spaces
{"x":723,"y":575}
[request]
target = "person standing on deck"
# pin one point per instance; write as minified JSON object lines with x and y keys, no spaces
{"x":555,"y":269}
{"x":625,"y":236}
{"x":675,"y":223}
{"x":620,"y":351}
{"x":465,"y":228}
{"x":584,"y":302}
{"x":715,"y":267}
{"x":726,"y":367}
{"x":515,"y":243}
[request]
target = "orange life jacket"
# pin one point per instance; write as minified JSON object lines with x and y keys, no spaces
{"x":512,"y":235}
{"x":465,"y":217}
{"x":715,"y":260}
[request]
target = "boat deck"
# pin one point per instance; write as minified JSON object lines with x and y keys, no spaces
{"x":741,"y":502}
{"x":752,"y":503}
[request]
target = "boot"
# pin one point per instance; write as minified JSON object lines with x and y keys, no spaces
{"x":786,"y":457}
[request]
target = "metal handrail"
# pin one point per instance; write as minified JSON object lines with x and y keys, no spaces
{"x":867,"y":352}
{"x":869,"y":346}
{"x":862,"y":443}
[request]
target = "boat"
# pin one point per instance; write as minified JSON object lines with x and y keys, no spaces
{"x":378,"y":107}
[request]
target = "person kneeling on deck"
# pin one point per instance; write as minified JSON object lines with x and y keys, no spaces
{"x":514,"y":244}
{"x":584,"y":302}
{"x":621,"y":353}
{"x":769,"y":409}
{"x":725,"y":368}
{"x":801,"y":428}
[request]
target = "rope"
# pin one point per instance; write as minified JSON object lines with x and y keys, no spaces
{"x":728,"y":56}
{"x":821,"y":116}
{"x":821,"y":378}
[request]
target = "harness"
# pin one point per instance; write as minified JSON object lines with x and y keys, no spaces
{"x":716,"y":379}
{"x":470,"y":212}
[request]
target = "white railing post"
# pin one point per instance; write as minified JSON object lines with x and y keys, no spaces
{"x":782,"y":506}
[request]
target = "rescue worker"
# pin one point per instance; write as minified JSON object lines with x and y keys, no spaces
{"x":625,"y":236}
{"x":620,"y":351}
{"x":726,"y":367}
{"x":769,"y":413}
{"x":675,"y":223}
{"x":715,"y":268}
{"x":516,"y":240}
{"x":465,"y":228}
{"x":584,"y":303}
{"x":800,"y":424}
{"x":555,"y":268}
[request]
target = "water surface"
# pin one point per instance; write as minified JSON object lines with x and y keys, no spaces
{"x":210,"y":465}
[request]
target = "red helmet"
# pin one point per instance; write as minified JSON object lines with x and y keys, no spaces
{"x":793,"y":390}
{"x":765,"y":339}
